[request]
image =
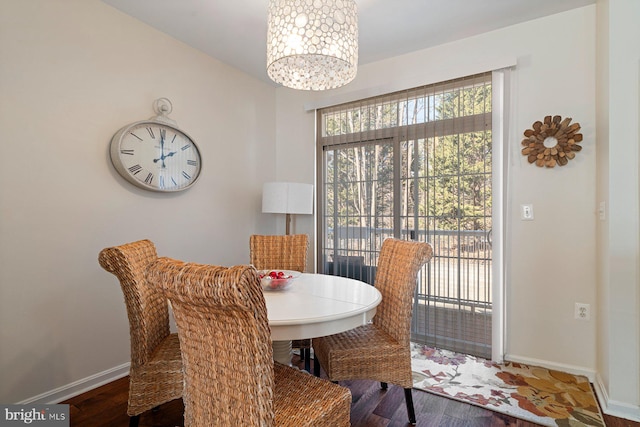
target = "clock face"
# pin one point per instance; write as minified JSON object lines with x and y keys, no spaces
{"x":156,"y":156}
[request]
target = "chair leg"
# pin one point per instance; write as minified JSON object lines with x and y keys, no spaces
{"x":408,"y":397}
{"x":307,"y":360}
{"x":133,"y":421}
{"x":383,"y":386}
{"x":316,"y":367}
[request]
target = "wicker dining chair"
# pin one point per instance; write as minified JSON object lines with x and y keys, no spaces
{"x":155,"y":375}
{"x":230,"y":376}
{"x":283,"y":252}
{"x":380,"y":350}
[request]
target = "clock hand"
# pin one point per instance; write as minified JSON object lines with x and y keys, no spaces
{"x":164,"y":157}
{"x":162,"y":148}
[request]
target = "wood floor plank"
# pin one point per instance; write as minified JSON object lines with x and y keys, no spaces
{"x":392,"y":400}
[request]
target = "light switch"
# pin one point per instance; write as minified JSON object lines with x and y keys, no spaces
{"x":526,"y":212}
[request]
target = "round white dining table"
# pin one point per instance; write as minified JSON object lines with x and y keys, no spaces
{"x":317,"y":305}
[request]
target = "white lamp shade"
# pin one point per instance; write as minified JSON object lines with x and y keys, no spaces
{"x":287,"y":197}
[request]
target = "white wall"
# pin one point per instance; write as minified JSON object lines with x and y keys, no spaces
{"x":552,"y":259}
{"x":72,"y":72}
{"x":618,"y":187}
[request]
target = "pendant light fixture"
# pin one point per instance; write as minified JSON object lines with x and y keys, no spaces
{"x":312,"y":44}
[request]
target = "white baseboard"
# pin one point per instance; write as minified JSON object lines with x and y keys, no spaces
{"x":68,"y":391}
{"x":613,"y":408}
{"x":570,"y":369}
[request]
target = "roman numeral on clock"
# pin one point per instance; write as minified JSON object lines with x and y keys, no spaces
{"x":127,"y":152}
{"x":151,"y":134}
{"x":135,"y":169}
{"x":149,"y":178}
{"x":192,"y":162}
{"x":136,"y":136}
{"x":186,"y":175}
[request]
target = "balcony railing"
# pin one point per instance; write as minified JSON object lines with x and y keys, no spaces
{"x":454,"y":288}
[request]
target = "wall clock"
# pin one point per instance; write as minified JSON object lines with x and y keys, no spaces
{"x":155,"y":154}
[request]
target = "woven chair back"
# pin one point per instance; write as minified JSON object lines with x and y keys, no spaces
{"x":225,"y":342}
{"x":396,"y":277}
{"x":147,"y":308}
{"x":279,"y":252}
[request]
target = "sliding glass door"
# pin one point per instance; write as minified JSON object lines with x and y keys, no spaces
{"x":415,"y":165}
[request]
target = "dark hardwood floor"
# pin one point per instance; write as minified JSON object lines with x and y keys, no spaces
{"x":372,"y":407}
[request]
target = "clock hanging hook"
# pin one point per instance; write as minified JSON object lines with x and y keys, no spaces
{"x":163,"y":107}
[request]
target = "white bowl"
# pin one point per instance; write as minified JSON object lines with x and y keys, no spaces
{"x":277,"y":284}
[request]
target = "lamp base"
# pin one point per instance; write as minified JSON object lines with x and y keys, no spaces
{"x":288,"y":224}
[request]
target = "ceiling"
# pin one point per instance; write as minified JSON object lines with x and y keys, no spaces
{"x":234,"y":31}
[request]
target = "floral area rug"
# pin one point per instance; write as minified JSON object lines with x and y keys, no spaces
{"x":542,"y":396}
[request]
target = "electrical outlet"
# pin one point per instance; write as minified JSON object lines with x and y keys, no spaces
{"x":582,"y":311}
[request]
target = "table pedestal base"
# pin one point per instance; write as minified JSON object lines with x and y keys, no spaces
{"x":282,"y":352}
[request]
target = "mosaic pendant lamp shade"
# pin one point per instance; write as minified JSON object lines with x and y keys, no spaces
{"x":312,"y":44}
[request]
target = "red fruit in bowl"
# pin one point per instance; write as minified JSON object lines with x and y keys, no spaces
{"x":275,"y":279}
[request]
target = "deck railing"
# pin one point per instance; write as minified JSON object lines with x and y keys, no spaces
{"x":459,"y":273}
{"x":452,"y":303}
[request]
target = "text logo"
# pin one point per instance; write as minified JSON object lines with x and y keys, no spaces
{"x":34,"y":415}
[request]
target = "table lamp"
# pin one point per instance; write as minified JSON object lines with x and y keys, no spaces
{"x":287,"y":198}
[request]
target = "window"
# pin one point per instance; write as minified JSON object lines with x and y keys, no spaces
{"x":416,"y":165}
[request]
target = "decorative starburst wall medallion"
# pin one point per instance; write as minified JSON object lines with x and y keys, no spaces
{"x":552,"y":142}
